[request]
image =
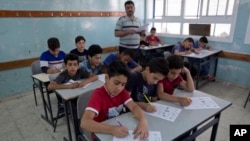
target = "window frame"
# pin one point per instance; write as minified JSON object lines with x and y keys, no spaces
{"x":203,"y":19}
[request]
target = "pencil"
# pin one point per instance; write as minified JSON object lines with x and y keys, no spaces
{"x":118,"y":121}
{"x":147,"y":98}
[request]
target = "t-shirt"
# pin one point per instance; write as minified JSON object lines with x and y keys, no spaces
{"x":86,"y":66}
{"x":138,"y":87}
{"x":64,"y":77}
{"x":125,"y":23}
{"x":169,"y":86}
{"x":178,"y":47}
{"x":112,"y":57}
{"x":50,"y":61}
{"x":150,"y":39}
{"x":106,"y":106}
{"x":81,"y":55}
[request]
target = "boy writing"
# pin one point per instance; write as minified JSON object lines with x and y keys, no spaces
{"x":107,"y":102}
{"x":152,"y":39}
{"x":93,"y":63}
{"x":165,"y":88}
{"x":51,"y":61}
{"x":126,"y":57}
{"x":142,"y":85}
{"x":71,"y":72}
{"x":184,"y":47}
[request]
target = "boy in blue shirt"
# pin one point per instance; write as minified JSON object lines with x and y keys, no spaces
{"x":126,"y":57}
{"x":93,"y":63}
{"x":51,"y":61}
{"x":143,"y":84}
{"x":184,"y":47}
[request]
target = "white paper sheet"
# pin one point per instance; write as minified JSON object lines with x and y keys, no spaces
{"x":141,"y":28}
{"x":153,"y":136}
{"x":101,"y":77}
{"x":165,"y":112}
{"x":202,"y":103}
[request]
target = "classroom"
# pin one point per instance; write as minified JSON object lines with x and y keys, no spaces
{"x":30,"y":23}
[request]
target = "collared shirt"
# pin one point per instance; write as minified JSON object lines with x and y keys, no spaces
{"x":85,"y":65}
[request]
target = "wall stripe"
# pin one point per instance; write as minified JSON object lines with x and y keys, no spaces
{"x":33,"y":13}
{"x":27,"y":62}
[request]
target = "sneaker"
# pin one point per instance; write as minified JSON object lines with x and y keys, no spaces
{"x":209,"y":77}
{"x":60,"y":108}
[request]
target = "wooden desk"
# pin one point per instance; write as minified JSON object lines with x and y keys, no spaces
{"x":204,"y":54}
{"x":70,"y":97}
{"x":187,"y":121}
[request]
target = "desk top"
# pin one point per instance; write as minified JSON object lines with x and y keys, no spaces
{"x":186,"y":120}
{"x":202,"y":54}
{"x":68,"y":94}
{"x":155,"y":47}
{"x":43,"y":77}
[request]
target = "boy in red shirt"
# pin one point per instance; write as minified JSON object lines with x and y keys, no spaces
{"x":108,"y":101}
{"x":152,"y":39}
{"x":165,"y":88}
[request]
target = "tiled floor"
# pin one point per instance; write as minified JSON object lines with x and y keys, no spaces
{"x":20,"y":119}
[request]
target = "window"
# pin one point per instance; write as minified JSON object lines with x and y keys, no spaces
{"x":173,"y":18}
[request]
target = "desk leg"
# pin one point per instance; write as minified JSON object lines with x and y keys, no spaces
{"x":66,"y":105}
{"x":215,"y":66}
{"x":50,"y":108}
{"x":44,"y":102}
{"x":215,"y":127}
{"x":198,"y":76}
{"x":73,"y":109}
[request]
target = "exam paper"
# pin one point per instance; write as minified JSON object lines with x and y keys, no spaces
{"x":165,"y":112}
{"x":153,"y":136}
{"x":202,"y":103}
{"x":141,"y":28}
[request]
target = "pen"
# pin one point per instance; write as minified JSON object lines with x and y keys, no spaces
{"x":118,"y":121}
{"x":147,"y":98}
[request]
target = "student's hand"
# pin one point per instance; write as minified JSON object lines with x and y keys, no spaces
{"x":141,"y":130}
{"x":74,"y":85}
{"x":82,"y":84}
{"x":188,"y":52}
{"x":120,"y":131}
{"x":184,"y":101}
{"x":130,"y":31}
{"x":150,"y":108}
{"x":185,"y":70}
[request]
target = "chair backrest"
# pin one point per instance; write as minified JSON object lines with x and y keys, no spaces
{"x":82,"y":102}
{"x":35,"y":67}
{"x":53,"y":76}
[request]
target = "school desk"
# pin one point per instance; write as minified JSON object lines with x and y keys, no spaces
{"x":209,"y":55}
{"x":69,"y":97}
{"x":193,"y":121}
{"x":43,"y":80}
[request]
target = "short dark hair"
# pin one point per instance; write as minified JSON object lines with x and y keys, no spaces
{"x":70,"y":57}
{"x":129,"y":2}
{"x":175,"y":62}
{"x":94,"y":49}
{"x":153,"y":29}
{"x":203,"y":39}
{"x":53,"y":43}
{"x":128,"y":52}
{"x":158,"y":65}
{"x":79,"y":38}
{"x":189,"y":39}
{"x":117,"y":68}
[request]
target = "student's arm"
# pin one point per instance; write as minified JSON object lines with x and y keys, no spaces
{"x":90,"y":125}
{"x":92,"y":77}
{"x":167,"y":97}
{"x":189,"y":84}
{"x":177,"y":52}
{"x":137,"y":68}
{"x":142,"y":127}
{"x":54,"y":85}
{"x":146,"y":107}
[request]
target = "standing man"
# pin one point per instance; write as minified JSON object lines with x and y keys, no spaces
{"x":126,"y":27}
